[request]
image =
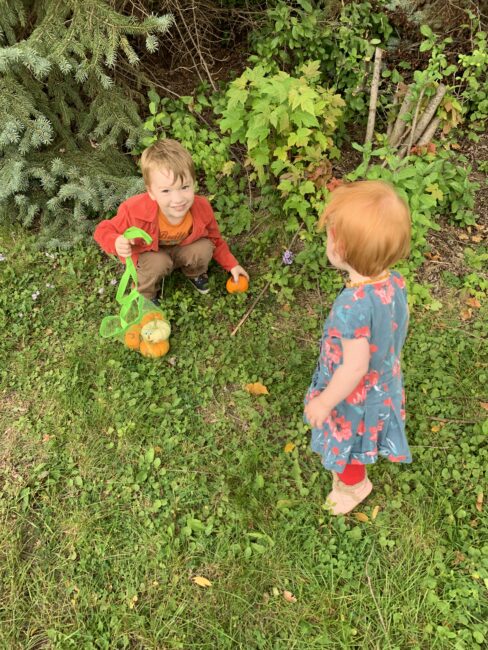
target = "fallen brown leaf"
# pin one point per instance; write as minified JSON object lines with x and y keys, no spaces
{"x":479,"y":502}
{"x":374,"y":514}
{"x":473,"y":302}
{"x":466,"y":314}
{"x":289,"y":597}
{"x":289,"y":447}
{"x":201,"y":581}
{"x":256,"y":389}
{"x":361,"y":516}
{"x":484,"y":405}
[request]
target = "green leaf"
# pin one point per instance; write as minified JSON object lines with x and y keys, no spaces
{"x":425,"y":30}
{"x":435,"y":191}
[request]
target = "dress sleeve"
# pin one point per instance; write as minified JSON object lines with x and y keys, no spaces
{"x":351,"y":318}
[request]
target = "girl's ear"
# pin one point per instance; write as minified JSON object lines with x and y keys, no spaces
{"x":340,"y":248}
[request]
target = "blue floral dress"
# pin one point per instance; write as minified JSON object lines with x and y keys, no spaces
{"x":371,"y":420}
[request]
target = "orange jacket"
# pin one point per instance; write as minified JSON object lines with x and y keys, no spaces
{"x":141,"y":211}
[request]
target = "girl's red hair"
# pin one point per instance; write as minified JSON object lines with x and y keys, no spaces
{"x":370,"y":224}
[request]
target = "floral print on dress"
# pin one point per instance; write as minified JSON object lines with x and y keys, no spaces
{"x":370,"y":422}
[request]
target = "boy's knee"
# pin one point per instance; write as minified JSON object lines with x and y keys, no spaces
{"x":155,"y":265}
{"x":165,"y":266}
{"x":200,"y":251}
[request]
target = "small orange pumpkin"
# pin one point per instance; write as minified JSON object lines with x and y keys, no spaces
{"x":240,"y":286}
{"x":151,"y":315}
{"x":154,"y":349}
{"x":132,"y":337}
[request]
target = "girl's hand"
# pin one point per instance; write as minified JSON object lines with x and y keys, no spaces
{"x":316,"y":413}
{"x":123,"y":246}
{"x":236,"y":271}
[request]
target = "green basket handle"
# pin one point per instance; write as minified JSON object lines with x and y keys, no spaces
{"x":125,"y":301}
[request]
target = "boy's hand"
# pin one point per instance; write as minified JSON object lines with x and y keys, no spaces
{"x":123,"y":246}
{"x":236,"y":271}
{"x":316,"y":412}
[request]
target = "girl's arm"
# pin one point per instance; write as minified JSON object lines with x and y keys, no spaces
{"x":344,"y":380}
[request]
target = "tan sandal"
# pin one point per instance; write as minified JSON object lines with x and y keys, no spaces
{"x":344,"y":498}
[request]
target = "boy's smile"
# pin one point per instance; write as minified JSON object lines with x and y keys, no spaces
{"x":173,"y":196}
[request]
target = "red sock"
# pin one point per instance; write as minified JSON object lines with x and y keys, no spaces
{"x":352,"y":474}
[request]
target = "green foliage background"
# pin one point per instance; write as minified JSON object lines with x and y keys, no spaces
{"x":65,"y":116}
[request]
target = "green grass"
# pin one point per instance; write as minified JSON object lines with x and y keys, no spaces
{"x":122,"y":478}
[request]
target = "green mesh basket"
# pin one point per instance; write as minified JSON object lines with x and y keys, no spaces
{"x":137,"y":314}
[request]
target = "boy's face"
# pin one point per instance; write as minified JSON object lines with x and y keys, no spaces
{"x":174,"y":197}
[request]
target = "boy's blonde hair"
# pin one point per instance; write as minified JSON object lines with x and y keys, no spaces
{"x":370,"y":225}
{"x":170,"y":155}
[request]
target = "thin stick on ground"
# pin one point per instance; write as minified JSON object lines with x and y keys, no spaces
{"x":449,"y":420}
{"x":374,"y":95}
{"x":261,"y":293}
{"x":370,"y":585}
{"x":248,"y":312}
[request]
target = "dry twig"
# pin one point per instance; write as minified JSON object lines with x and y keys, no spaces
{"x":261,"y":293}
{"x":429,"y":112}
{"x":389,"y":128}
{"x":370,"y":585}
{"x":429,"y":132}
{"x":406,"y":148}
{"x":400,"y":124}
{"x":374,"y":95}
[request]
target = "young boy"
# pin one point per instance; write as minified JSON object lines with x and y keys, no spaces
{"x":182,"y":225}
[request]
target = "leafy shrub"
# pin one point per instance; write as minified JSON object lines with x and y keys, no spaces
{"x":475,"y":81}
{"x":432,"y":184}
{"x":342,"y":39}
{"x":286,"y":124}
{"x":466,"y":100}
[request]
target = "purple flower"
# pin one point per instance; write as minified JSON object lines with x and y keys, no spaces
{"x":113,"y":282}
{"x":288,"y":257}
{"x":2,"y":257}
{"x":101,"y":291}
{"x":35,"y":295}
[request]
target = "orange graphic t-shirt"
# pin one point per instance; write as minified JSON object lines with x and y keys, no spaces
{"x":170,"y":235}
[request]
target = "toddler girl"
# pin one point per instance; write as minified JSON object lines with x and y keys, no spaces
{"x":355,"y":404}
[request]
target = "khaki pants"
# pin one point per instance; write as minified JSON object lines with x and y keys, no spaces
{"x":153,"y":266}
